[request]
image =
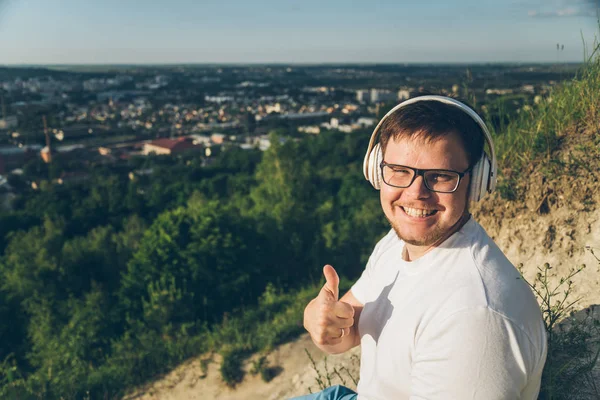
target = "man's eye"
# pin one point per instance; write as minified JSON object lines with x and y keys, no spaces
{"x":441,"y":177}
{"x":401,"y":170}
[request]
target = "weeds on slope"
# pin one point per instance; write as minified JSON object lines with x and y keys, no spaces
{"x":573,"y":338}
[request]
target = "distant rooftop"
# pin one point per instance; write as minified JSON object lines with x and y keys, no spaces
{"x":172,"y":144}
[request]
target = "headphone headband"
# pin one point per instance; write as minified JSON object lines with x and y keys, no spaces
{"x":446,"y":100}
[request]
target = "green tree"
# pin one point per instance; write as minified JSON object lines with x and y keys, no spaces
{"x":205,"y":259}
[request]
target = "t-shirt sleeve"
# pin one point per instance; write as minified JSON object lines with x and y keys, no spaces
{"x":361,"y":286}
{"x":472,"y":354}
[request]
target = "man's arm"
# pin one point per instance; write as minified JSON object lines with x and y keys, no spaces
{"x":333,"y":323}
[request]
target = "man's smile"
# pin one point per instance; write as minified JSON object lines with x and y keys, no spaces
{"x":419,"y":212}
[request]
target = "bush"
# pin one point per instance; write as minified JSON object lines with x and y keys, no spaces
{"x":231,"y":367}
{"x":571,"y":339}
{"x":261,"y":366}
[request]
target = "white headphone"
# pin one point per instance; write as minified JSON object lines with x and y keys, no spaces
{"x":483,"y":174}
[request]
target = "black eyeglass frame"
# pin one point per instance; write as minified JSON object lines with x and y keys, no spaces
{"x":421,"y":173}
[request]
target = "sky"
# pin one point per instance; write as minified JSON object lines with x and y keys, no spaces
{"x":294,"y":31}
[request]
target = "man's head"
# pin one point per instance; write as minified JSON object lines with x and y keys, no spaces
{"x":428,"y":135}
{"x":429,"y":121}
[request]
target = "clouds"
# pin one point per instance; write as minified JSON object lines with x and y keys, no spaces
{"x":567,"y":8}
{"x":564,"y":12}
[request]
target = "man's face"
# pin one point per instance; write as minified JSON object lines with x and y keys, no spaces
{"x":444,"y":153}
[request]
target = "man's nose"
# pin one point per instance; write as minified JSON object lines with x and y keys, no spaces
{"x":417,"y":189}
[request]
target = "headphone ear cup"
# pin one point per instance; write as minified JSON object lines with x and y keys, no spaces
{"x":378,"y":167}
{"x":480,"y":179}
{"x":485,"y":176}
{"x":375,"y":158}
{"x":475,"y":187}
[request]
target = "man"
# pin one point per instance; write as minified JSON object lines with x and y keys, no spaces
{"x":439,"y":311}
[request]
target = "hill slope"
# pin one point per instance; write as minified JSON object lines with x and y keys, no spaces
{"x":545,"y":211}
{"x":553,"y":221}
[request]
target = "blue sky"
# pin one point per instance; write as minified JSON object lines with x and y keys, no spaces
{"x":293,"y":31}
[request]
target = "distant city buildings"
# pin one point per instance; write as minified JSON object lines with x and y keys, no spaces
{"x":170,"y":146}
{"x":218,"y":99}
{"x":13,"y":157}
{"x":499,"y":92}
{"x":381,"y":95}
{"x":312,"y":129}
{"x":528,"y":89}
{"x":217,"y":138}
{"x":403,"y":94}
{"x":109,"y":117}
{"x":9,"y":122}
{"x":366,"y":121}
{"x":363,"y":96}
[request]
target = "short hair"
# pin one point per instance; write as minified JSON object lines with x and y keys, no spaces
{"x":430,"y":121}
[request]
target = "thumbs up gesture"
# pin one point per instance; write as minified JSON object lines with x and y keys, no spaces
{"x":327,"y":319}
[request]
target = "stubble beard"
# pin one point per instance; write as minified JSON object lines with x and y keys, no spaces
{"x":437,"y":235}
{"x":430,"y":238}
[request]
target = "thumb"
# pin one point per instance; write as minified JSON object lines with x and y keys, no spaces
{"x":332,"y":281}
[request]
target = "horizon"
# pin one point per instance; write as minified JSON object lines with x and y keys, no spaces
{"x":300,"y":64}
{"x":273,"y":32}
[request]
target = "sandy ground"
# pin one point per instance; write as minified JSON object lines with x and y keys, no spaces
{"x":298,"y":376}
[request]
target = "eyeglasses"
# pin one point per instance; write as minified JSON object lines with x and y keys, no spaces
{"x":436,"y":180}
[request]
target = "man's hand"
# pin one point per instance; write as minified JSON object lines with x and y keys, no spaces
{"x":328,"y":320}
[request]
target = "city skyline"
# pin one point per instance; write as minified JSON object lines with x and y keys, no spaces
{"x":184,"y":32}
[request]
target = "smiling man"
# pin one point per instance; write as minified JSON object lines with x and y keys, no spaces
{"x":439,"y":311}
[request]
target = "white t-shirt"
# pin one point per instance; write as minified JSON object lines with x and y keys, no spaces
{"x":457,"y":323}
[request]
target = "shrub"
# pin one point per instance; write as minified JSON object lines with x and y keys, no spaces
{"x":231,"y":367}
{"x":571,"y":338}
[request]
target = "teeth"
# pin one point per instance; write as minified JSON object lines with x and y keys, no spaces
{"x":416,"y":212}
